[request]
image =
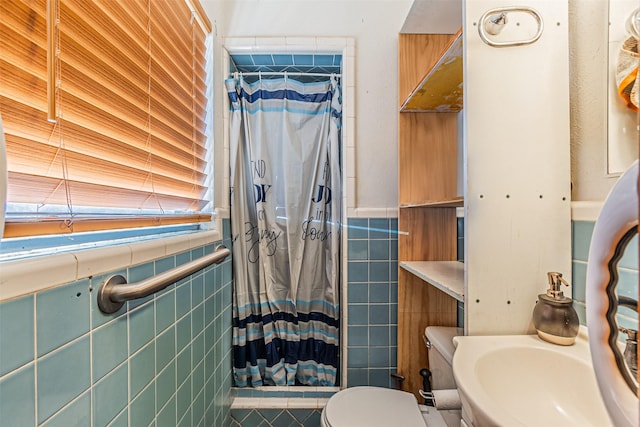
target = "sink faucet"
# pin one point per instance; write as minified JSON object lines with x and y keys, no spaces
{"x":631,"y":348}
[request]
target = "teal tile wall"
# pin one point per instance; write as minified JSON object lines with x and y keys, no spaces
{"x":162,"y":361}
{"x":270,"y":417}
{"x":372,"y":287}
{"x":16,"y":317}
{"x":275,"y":417}
{"x":627,"y":269}
{"x":313,"y":393}
{"x":301,"y":63}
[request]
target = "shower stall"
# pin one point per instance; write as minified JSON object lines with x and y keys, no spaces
{"x":286,"y":182}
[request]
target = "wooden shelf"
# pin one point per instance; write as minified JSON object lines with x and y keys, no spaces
{"x":440,"y":90}
{"x":430,"y":282}
{"x":448,"y":276}
{"x":451,"y":203}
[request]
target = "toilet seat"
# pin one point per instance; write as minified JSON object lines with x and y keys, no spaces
{"x":372,"y":407}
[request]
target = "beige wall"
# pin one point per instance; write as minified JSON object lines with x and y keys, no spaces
{"x":588,"y":28}
{"x":375,"y":25}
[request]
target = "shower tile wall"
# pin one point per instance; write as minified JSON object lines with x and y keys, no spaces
{"x":270,"y":417}
{"x":627,"y":270}
{"x":372,"y":288}
{"x":297,"y":63}
{"x":372,"y":311}
{"x":303,"y":406}
{"x":372,"y":323}
{"x":165,"y":360}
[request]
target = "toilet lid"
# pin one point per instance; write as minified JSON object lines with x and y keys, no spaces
{"x":373,"y":407}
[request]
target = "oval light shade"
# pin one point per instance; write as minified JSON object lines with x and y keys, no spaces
{"x":618,"y":217}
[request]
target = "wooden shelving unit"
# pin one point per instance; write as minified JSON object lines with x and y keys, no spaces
{"x":430,"y":280}
{"x":453,"y":203}
{"x":441,"y":88}
{"x":522,"y":228}
{"x":448,"y":276}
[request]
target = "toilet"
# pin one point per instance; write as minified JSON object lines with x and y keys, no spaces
{"x":383,"y":407}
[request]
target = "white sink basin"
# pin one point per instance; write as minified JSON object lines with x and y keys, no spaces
{"x":521,"y":380}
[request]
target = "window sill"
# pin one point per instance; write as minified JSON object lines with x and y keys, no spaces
{"x":26,"y":276}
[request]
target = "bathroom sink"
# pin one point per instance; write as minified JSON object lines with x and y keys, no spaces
{"x":521,"y":380}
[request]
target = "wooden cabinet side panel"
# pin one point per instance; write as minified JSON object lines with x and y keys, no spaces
{"x":419,"y":305}
{"x":428,"y":157}
{"x":430,"y":234}
{"x":417,"y":54}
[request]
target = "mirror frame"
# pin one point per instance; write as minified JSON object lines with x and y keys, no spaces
{"x":619,"y":215}
{"x":612,"y":311}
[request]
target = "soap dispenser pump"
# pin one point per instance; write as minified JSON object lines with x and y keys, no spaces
{"x":554,"y":317}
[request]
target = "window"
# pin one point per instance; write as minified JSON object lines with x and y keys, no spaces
{"x":104,"y":110}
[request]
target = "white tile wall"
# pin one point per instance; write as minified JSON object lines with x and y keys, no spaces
{"x":343,"y":45}
{"x":278,"y":403}
{"x":585,"y":211}
{"x":30,"y":275}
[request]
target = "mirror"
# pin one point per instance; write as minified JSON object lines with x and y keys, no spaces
{"x":625,"y":319}
{"x":622,"y":121}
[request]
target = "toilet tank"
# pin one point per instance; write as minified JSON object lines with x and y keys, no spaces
{"x":440,"y":344}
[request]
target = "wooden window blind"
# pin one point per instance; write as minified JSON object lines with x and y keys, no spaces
{"x":127,"y":145}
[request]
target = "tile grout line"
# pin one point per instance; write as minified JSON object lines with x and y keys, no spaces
{"x":175,"y":339}
{"x":35,"y":359}
{"x":91,"y":393}
{"x":129,"y":397}
{"x":154,"y":381}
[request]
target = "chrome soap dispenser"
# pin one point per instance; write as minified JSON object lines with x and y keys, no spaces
{"x":554,"y":317}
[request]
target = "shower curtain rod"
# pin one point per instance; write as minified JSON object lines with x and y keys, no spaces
{"x":284,"y":73}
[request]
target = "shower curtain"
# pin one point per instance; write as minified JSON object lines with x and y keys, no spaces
{"x":285,"y":224}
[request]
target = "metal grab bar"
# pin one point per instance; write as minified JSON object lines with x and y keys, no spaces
{"x":492,"y":21}
{"x":115,"y":291}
